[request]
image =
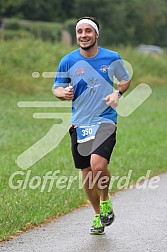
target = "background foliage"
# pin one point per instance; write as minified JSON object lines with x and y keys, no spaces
{"x":122,"y":22}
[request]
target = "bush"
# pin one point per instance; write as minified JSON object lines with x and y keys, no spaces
{"x":69,"y":25}
{"x":44,"y":30}
{"x":15,"y":34}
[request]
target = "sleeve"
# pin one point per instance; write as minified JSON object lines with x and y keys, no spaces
{"x":62,"y":75}
{"x":120,"y":71}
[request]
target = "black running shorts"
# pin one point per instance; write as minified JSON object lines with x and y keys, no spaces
{"x":102,"y":145}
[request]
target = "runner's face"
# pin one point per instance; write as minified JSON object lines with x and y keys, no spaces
{"x":86,"y":36}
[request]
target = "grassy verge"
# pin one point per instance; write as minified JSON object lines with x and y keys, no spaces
{"x":141,"y":145}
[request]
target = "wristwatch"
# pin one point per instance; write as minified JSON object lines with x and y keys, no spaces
{"x":119,"y":93}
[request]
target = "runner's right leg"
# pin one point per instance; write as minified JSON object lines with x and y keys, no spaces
{"x":93,"y":193}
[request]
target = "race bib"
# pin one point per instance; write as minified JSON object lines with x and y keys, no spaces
{"x":86,"y":133}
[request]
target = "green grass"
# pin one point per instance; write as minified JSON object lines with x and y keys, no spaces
{"x":141,"y":137}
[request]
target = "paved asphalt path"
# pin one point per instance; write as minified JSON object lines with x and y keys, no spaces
{"x":140,"y":226}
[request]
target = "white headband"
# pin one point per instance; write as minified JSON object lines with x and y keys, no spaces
{"x":90,"y":22}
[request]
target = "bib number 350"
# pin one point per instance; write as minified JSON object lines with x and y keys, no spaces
{"x":86,"y":133}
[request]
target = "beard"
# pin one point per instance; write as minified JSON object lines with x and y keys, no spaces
{"x":86,"y":48}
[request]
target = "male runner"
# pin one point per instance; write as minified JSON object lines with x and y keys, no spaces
{"x":86,"y":77}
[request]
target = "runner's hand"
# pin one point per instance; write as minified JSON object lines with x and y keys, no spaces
{"x":68,"y":93}
{"x":112,"y":100}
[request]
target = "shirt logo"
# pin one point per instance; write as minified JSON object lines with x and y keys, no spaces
{"x":104,"y":68}
{"x":79,"y":71}
{"x":93,"y":84}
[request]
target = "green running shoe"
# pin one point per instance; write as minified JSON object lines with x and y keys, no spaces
{"x":106,"y":212}
{"x":97,"y":228}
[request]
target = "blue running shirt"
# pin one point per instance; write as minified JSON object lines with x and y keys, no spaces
{"x":92,"y":80}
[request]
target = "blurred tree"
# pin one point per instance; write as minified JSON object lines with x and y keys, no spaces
{"x":9,"y":8}
{"x":153,"y":19}
{"x":52,"y":10}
